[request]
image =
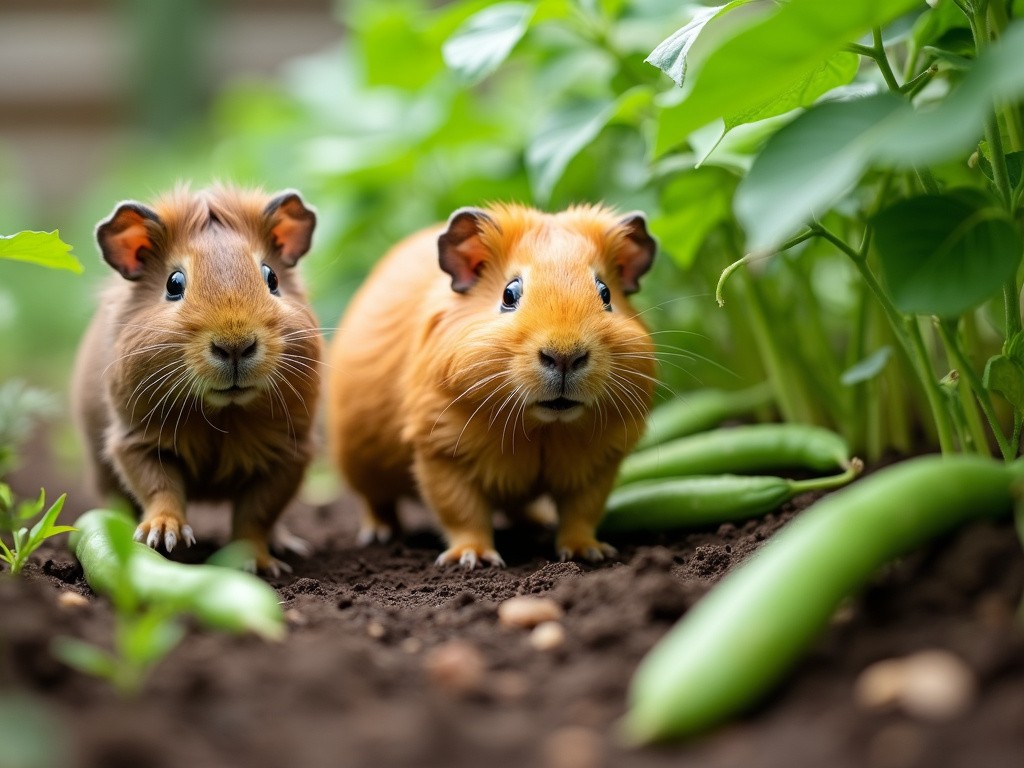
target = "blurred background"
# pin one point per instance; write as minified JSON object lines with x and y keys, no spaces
{"x":353,"y":104}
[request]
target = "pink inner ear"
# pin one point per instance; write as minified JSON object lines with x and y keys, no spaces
{"x":286,"y":233}
{"x":122,"y":248}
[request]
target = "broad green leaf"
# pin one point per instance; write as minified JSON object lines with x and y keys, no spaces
{"x":944,"y":254}
{"x":1014,"y":164}
{"x":810,"y":163}
{"x":671,"y":55}
{"x":694,"y":203}
{"x":770,"y":57}
{"x":1005,"y":376}
{"x":562,"y":136}
{"x":838,"y":69}
{"x":42,"y":529}
{"x":866,"y":369}
{"x":807,"y":165}
{"x":43,"y":248}
{"x":480,"y":45}
{"x":149,"y":637}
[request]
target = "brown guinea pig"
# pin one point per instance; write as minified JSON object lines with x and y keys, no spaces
{"x":492,"y":362}
{"x":199,"y":374}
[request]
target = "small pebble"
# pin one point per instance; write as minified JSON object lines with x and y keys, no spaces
{"x":412,"y":645}
{"x":547,"y":636}
{"x":456,"y":667}
{"x":295,"y":617}
{"x":573,"y":747}
{"x":376,"y":630}
{"x":928,"y":685}
{"x":72,"y":600}
{"x":527,"y":612}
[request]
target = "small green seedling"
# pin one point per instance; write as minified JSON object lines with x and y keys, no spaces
{"x":143,"y":633}
{"x":14,"y":519}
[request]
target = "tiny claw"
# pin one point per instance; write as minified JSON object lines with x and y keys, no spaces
{"x":153,"y":539}
{"x":275,"y":567}
{"x":564,"y":555}
{"x":374,"y":534}
{"x":187,"y":535}
{"x":469,"y":560}
{"x":169,"y":541}
{"x":139,"y":534}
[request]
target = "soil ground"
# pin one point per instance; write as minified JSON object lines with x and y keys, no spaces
{"x":391,"y":661}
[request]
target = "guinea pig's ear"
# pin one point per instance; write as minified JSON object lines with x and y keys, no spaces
{"x":291,"y":226}
{"x":636,"y":252}
{"x":126,"y":238}
{"x":460,"y":251}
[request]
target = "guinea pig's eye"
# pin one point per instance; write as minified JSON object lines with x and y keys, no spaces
{"x":270,"y":278}
{"x":604,"y":293}
{"x":176,"y":286}
{"x":511,"y":296}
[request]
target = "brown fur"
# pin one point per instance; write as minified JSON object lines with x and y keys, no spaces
{"x":146,"y":377}
{"x":435,"y":391}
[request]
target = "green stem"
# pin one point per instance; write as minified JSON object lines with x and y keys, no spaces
{"x":827,"y":483}
{"x":791,"y":402}
{"x":909,"y":335}
{"x":753,"y":256}
{"x":912,"y":87}
{"x":947,"y":332}
{"x":882,"y":59}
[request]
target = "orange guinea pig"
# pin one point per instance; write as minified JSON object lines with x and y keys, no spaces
{"x":198,"y":377}
{"x":492,"y":362}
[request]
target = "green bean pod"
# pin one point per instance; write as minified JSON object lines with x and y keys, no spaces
{"x":684,"y":502}
{"x":697,"y":411}
{"x":743,"y":636}
{"x":749,"y":448}
{"x":218,"y":597}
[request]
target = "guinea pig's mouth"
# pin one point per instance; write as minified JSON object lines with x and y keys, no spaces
{"x":558,"y":404}
{"x":235,"y":394}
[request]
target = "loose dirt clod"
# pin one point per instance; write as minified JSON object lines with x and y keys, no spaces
{"x":547,"y":636}
{"x":527,"y":612}
{"x":295,"y":618}
{"x":929,"y":685}
{"x":456,"y":667}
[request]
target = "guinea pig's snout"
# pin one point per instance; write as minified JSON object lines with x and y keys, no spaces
{"x":563,"y":363}
{"x":233,"y":352}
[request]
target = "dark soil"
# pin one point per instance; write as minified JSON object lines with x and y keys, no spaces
{"x":391,"y":661}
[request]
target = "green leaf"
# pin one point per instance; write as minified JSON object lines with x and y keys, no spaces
{"x":771,"y":56}
{"x":944,"y":254}
{"x":1006,"y":377}
{"x":807,"y":165}
{"x":43,"y":248}
{"x":694,"y":203}
{"x":44,"y":529}
{"x":561,"y":137}
{"x":866,"y":369}
{"x":672,"y":53}
{"x":31,"y":507}
{"x":838,"y":69}
{"x":1014,"y":164}
{"x":85,"y":658}
{"x":149,"y":637}
{"x":480,"y":45}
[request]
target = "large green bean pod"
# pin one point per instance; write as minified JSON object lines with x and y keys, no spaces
{"x":700,"y":410}
{"x":748,"y":448}
{"x":689,"y":502}
{"x":743,"y":636}
{"x":218,"y":597}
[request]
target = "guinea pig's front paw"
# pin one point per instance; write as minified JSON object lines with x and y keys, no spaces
{"x":267,"y":564}
{"x":470,"y":556}
{"x":589,"y":549}
{"x":164,"y":529}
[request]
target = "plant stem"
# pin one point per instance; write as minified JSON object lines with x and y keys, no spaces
{"x":909,"y":335}
{"x":882,"y":60}
{"x":951,"y":340}
{"x":753,"y":256}
{"x":826,"y":483}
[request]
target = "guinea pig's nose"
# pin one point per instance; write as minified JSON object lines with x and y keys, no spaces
{"x":563,"y":362}
{"x":233,"y":351}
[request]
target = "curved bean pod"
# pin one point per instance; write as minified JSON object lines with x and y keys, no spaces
{"x":697,"y":411}
{"x":748,"y":448}
{"x":219,"y":597}
{"x":743,"y":636}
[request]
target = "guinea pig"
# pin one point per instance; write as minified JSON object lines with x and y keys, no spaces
{"x":492,"y":362}
{"x":198,"y":376}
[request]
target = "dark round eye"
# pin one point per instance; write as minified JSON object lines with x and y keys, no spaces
{"x":604,"y":293}
{"x":511,"y":296}
{"x":176,"y":286}
{"x":270,"y":277}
